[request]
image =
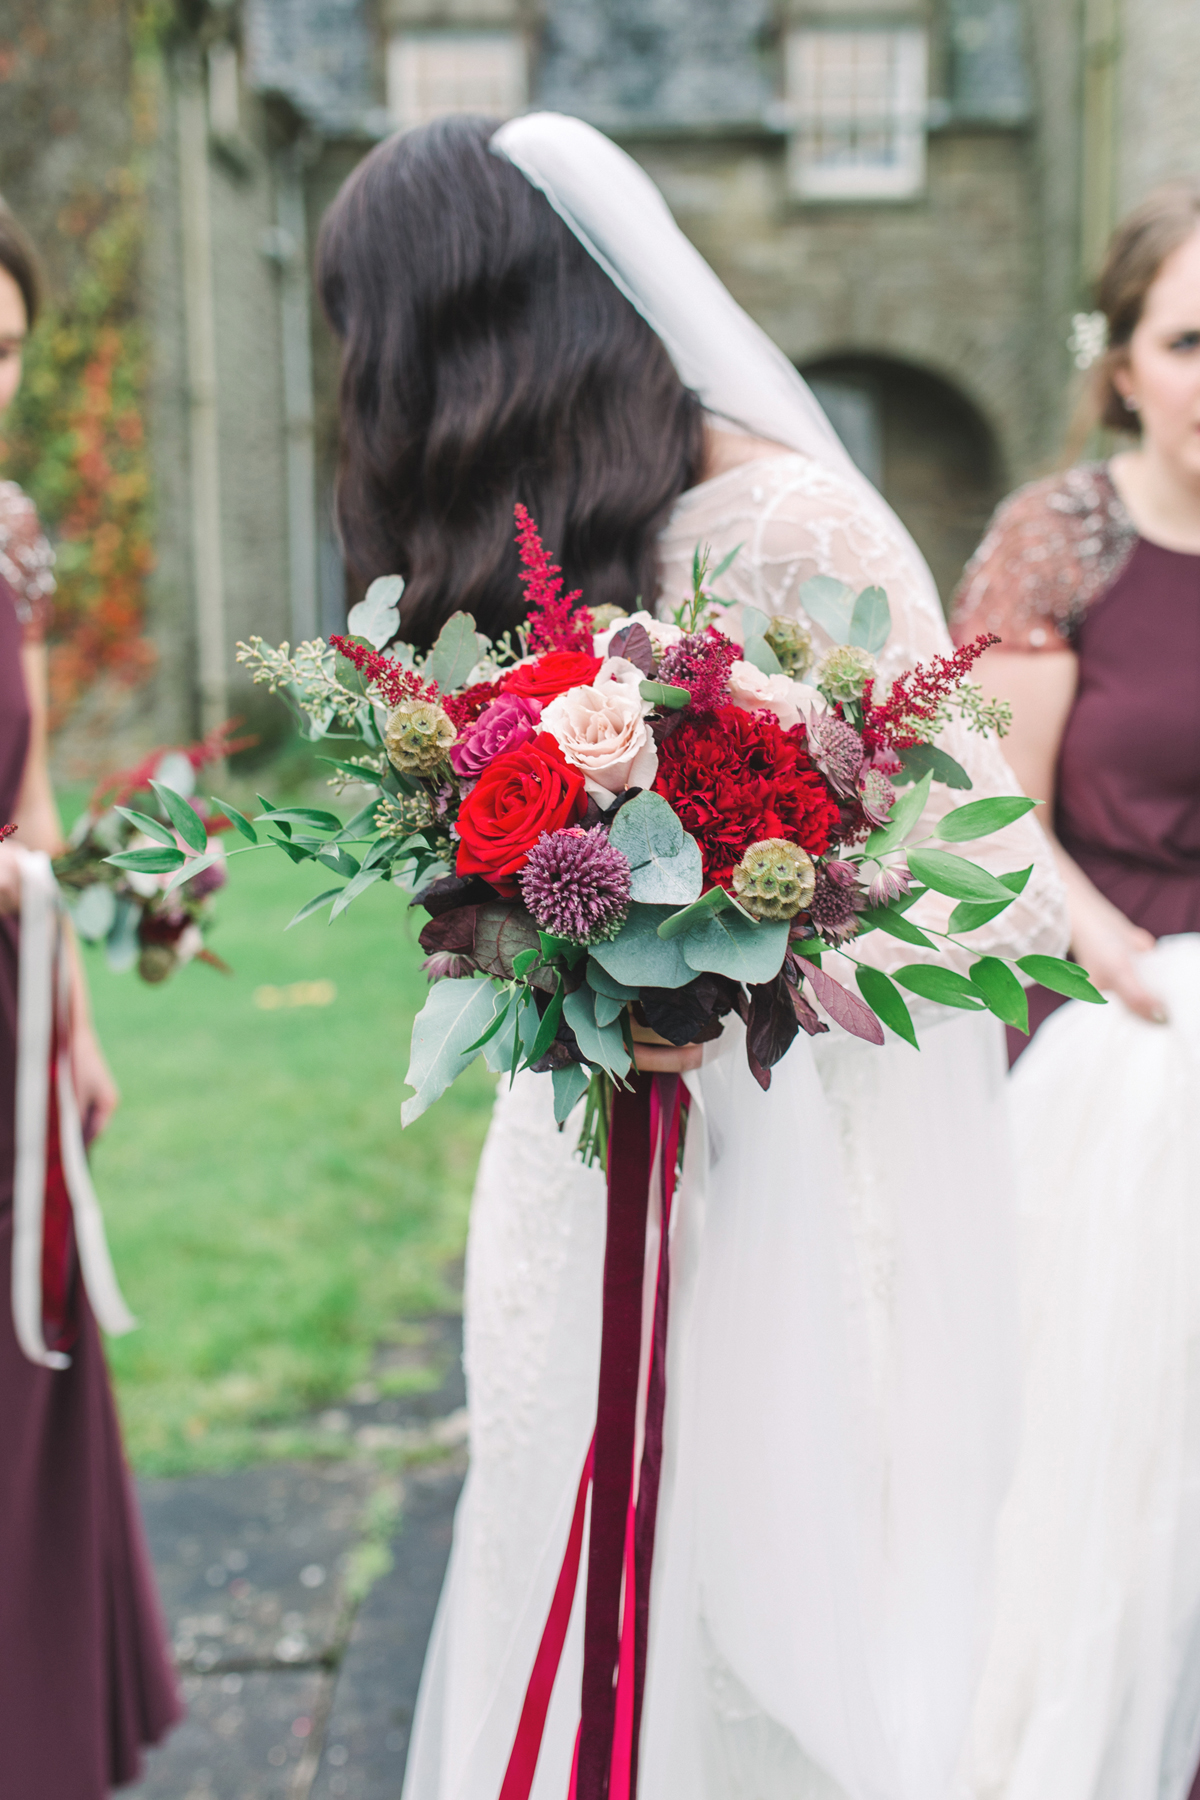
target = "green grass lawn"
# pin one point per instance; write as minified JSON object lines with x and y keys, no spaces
{"x":269,"y":1221}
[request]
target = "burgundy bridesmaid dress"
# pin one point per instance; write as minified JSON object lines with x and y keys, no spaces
{"x":85,"y":1679}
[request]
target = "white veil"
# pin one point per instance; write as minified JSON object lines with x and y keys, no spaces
{"x":622,"y":220}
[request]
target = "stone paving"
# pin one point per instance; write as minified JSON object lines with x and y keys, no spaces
{"x":300,"y":1596}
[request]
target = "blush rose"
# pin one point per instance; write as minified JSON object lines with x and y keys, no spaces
{"x":602,"y":732}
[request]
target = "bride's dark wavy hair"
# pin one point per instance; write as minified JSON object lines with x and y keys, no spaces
{"x":486,"y":359}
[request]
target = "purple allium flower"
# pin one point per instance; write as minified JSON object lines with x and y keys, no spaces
{"x":887,"y":884}
{"x":876,"y":795}
{"x":834,"y":906}
{"x":576,"y":884}
{"x":701,"y":664}
{"x":506,"y":723}
{"x":836,"y":749}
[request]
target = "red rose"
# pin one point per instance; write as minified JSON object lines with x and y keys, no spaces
{"x":734,"y":777}
{"x":524,"y":792}
{"x":553,"y":674}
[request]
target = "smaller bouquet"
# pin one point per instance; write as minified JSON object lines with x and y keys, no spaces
{"x":142,"y":864}
{"x":614,"y":821}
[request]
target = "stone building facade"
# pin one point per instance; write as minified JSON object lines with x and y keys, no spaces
{"x":910,"y":195}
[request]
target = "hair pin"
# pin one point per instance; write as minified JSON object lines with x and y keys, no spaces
{"x":1088,"y":339}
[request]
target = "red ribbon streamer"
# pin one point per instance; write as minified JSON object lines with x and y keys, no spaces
{"x":645,"y":1117}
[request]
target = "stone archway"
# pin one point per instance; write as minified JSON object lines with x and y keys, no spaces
{"x":925,"y":446}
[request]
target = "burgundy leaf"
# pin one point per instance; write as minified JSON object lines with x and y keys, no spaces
{"x":761,"y":1075}
{"x":454,"y":890}
{"x":772,"y":1025}
{"x":691,"y":1014}
{"x":502,"y":931}
{"x":843,"y":1007}
{"x":806,"y":1015}
{"x":453,"y":931}
{"x":633,"y":643}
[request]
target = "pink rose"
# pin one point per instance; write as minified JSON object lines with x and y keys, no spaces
{"x":602,"y":732}
{"x":508,"y":722}
{"x":789,"y":700}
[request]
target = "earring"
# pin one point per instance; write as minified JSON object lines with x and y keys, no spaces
{"x":1131,"y":404}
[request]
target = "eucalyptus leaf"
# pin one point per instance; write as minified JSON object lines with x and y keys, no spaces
{"x":955,"y":876}
{"x":455,"y":653}
{"x":1002,"y":991}
{"x":726,"y":944}
{"x":638,"y":957}
{"x":927,"y":759}
{"x":452,"y":1017}
{"x":664,"y":861}
{"x":886,"y":1002}
{"x":608,"y":1009}
{"x":602,"y":1045}
{"x":660,"y":693}
{"x":239,"y":820}
{"x":946,"y":986}
{"x":602,"y":983}
{"x":829,"y":604}
{"x":151,"y":828}
{"x":184,"y":818}
{"x":377,"y":615}
{"x":979,"y":818}
{"x":121,"y":945}
{"x":905,"y":814}
{"x":755,"y":648}
{"x":570,"y":1085}
{"x":94,"y":912}
{"x":871,"y":620}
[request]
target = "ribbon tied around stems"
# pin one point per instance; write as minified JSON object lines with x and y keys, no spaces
{"x":623,"y":1463}
{"x":53,"y":1196}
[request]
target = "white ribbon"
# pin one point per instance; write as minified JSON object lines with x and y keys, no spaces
{"x":42,"y":954}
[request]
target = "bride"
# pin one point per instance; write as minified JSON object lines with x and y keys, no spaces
{"x":522,"y":320}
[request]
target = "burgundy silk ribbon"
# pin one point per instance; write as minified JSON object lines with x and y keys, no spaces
{"x":646,"y":1120}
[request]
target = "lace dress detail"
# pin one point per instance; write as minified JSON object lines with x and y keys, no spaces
{"x":26,"y":560}
{"x":1051,"y":549}
{"x":791,"y":519}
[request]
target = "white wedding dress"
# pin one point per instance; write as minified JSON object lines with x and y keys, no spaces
{"x":842,"y":1379}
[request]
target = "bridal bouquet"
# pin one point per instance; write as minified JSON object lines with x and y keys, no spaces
{"x":615,"y":821}
{"x":139,"y":878}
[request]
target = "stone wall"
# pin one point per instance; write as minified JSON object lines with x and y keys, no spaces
{"x":1158,"y":104}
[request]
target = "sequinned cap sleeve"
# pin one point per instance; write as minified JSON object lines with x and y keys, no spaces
{"x":1050,"y":550}
{"x":26,"y":559}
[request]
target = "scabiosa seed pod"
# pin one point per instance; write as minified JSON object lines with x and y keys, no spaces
{"x":876,"y":796}
{"x":156,"y":962}
{"x":576,"y":884}
{"x":418,"y":737}
{"x":604,"y":616}
{"x":836,"y":748}
{"x":843,"y":672}
{"x":793,"y":646}
{"x":775,"y":879}
{"x":834,"y":906}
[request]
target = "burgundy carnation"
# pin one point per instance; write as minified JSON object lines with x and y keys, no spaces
{"x":736,"y":777}
{"x":465,"y":707}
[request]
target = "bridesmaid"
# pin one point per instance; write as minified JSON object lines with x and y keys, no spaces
{"x":1092,"y":580}
{"x":85,"y":1679}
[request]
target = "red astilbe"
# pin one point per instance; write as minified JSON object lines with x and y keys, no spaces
{"x":552,"y":621}
{"x":917,"y":696}
{"x":390,"y":679}
{"x":6,"y":831}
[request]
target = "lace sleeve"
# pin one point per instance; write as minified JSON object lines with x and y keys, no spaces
{"x":26,"y":559}
{"x":794,"y":519}
{"x":1051,"y":548}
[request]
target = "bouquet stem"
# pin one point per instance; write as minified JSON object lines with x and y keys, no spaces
{"x":597,"y":1120}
